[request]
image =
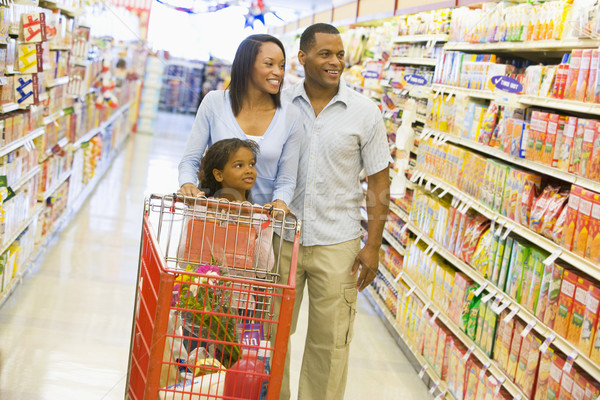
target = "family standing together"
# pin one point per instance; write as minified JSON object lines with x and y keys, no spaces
{"x":308,"y":146}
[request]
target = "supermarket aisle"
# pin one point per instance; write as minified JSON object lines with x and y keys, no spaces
{"x":64,"y":333}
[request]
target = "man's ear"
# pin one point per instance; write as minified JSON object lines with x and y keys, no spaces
{"x":218,"y":174}
{"x":301,"y":57}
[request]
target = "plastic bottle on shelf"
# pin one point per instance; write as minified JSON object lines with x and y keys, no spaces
{"x":245,"y":378}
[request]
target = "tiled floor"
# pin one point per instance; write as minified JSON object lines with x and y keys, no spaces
{"x":64,"y":333}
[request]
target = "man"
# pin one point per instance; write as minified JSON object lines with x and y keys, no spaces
{"x":345,"y":133}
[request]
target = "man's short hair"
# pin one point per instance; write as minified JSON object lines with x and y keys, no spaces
{"x":307,"y":40}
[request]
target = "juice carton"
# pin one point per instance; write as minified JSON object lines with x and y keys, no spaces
{"x":583,"y":76}
{"x":515,"y":349}
{"x":590,"y":320}
{"x":532,"y":366}
{"x":592,"y":249}
{"x":565,"y":303}
{"x":576,"y":152}
{"x":589,"y":93}
{"x":543,"y":379}
{"x":542,"y":301}
{"x":571,"y":220}
{"x":556,"y":372}
{"x":550,"y":139}
{"x":589,"y":134}
{"x":583,"y":219}
{"x":579,"y":306}
{"x":573,"y":73}
{"x":566,"y":146}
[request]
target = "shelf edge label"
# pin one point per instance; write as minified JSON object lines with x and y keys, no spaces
{"x":506,"y":84}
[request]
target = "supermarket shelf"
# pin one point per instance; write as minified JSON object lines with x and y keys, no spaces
{"x":54,"y":188}
{"x":88,"y":136}
{"x":478,"y":94}
{"x":57,"y":82}
{"x":514,"y":390}
{"x":10,"y":239}
{"x":58,"y":47}
{"x":33,"y":172}
{"x":20,"y":142}
{"x":393,"y":328}
{"x":569,"y":257}
{"x":521,"y":162}
{"x":560,"y":104}
{"x":528,"y":46}
{"x":6,"y":108}
{"x":398,"y":211}
{"x":53,"y":117}
{"x":394,"y":242}
{"x":421,"y":119}
{"x":525,"y":315}
{"x":68,"y":11}
{"x":414,"y":61}
{"x":421,"y":38}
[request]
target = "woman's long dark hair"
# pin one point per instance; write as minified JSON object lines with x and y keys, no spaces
{"x":242,"y":66}
{"x":216,"y":157}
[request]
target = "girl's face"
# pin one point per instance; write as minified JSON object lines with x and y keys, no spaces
{"x":268,"y":70}
{"x":238,"y":174}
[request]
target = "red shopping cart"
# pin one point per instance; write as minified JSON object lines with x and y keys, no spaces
{"x":211,"y":319}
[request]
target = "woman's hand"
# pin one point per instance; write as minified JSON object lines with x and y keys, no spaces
{"x":280,"y":204}
{"x":190,"y":190}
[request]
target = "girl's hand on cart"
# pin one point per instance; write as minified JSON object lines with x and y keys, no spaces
{"x":190,"y":190}
{"x":368,"y":261}
{"x":279,"y":204}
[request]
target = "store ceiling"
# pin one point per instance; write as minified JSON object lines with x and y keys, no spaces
{"x":302,"y":6}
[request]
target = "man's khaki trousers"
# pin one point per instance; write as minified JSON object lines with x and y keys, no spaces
{"x":332,"y":307}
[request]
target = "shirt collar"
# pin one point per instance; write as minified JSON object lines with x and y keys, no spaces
{"x":341,"y":96}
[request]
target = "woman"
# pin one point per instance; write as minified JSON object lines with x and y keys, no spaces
{"x":250,"y":109}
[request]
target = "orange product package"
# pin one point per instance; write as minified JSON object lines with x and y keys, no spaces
{"x":566,"y":385}
{"x":566,"y":145}
{"x":527,"y":199}
{"x":590,"y":320}
{"x":543,"y":378}
{"x":582,"y":78}
{"x":556,"y":372}
{"x":587,"y":147}
{"x":540,"y":136}
{"x":592,"y":249}
{"x":571,"y":217}
{"x":559,"y":226}
{"x":591,"y":84}
{"x":583,"y":220}
{"x":576,"y":152}
{"x":553,"y":211}
{"x":553,"y":296}
{"x":573,"y":73}
{"x":579,"y":306}
{"x":515,"y":349}
{"x":579,"y":386}
{"x":550,"y":139}
{"x":593,"y":171}
{"x":535,"y":127}
{"x":565,"y":303}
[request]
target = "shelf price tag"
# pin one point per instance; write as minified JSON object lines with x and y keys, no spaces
{"x":434,"y":317}
{"x":488,"y":296}
{"x":493,"y":224}
{"x":496,"y":304}
{"x":418,"y":238}
{"x":528,"y":329}
{"x":411,"y":291}
{"x":434,"y":387}
{"x":422,"y":372}
{"x":436,"y":187}
{"x":442,"y":194}
{"x":404,"y":228}
{"x":544,"y":346}
{"x":500,"y":383}
{"x":553,"y":257}
{"x":400,"y":275}
{"x":415,"y":176}
{"x":511,"y":315}
{"x":428,"y":186}
{"x":503,"y":306}
{"x":480,"y":289}
{"x":454,"y":201}
{"x":500,"y":227}
{"x":570,"y":359}
{"x":507,"y":232}
{"x":517,"y":397}
{"x":425,"y":307}
{"x":484,"y":369}
{"x":441,"y":396}
{"x":468,"y":353}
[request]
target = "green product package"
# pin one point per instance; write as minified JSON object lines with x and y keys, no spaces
{"x":473,"y":316}
{"x":506,"y":257}
{"x":536,"y":282}
{"x":498,"y":261}
{"x":515,"y":278}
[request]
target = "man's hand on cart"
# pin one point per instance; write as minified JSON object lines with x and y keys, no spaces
{"x":279,"y":204}
{"x":368,"y":261}
{"x":190,"y":190}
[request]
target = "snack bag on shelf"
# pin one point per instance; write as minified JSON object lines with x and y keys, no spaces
{"x":571,"y":217}
{"x":555,"y":207}
{"x":540,"y":137}
{"x":539,"y":208}
{"x":481,"y":257}
{"x":566,"y":146}
{"x":489,"y":123}
{"x":579,"y":306}
{"x":576,"y":152}
{"x":543,"y":377}
{"x":565,"y":303}
{"x":475,"y":228}
{"x":590,"y":320}
{"x":526,"y":204}
{"x":583,"y":220}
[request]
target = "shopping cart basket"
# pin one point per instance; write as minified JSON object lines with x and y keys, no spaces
{"x":211,"y":319}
